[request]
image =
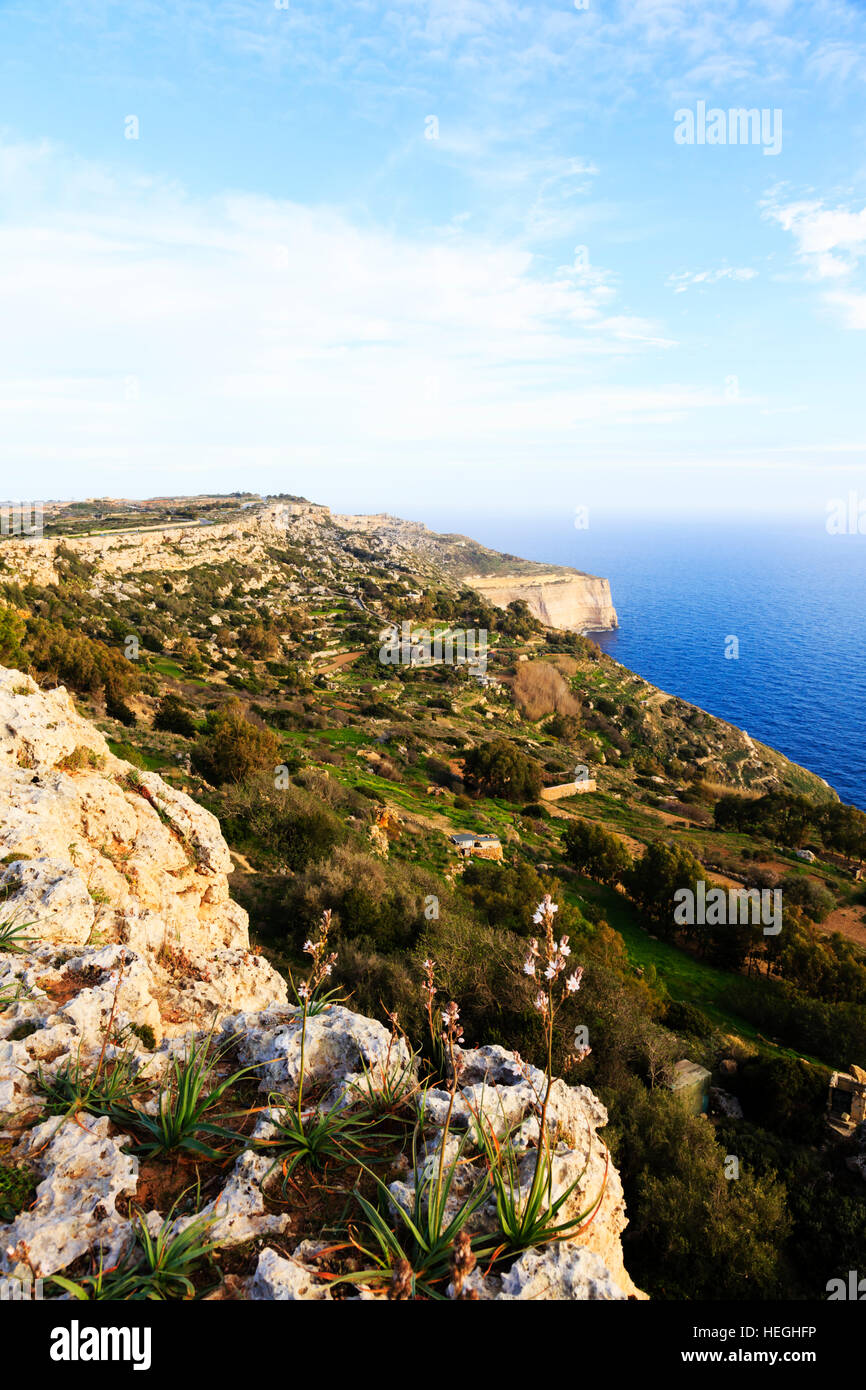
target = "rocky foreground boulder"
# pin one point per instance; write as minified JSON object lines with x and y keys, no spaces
{"x":133,"y":949}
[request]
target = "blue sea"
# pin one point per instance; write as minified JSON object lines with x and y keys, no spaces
{"x":792,"y":596}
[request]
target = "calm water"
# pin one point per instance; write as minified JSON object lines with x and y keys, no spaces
{"x":794,"y":598}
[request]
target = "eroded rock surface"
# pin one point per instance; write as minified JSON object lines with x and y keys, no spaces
{"x":134,"y":944}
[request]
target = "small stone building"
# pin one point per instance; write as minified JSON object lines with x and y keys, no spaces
{"x":846,"y":1103}
{"x":691,"y":1082}
{"x":480,"y":846}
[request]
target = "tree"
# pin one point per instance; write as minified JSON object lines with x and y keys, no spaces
{"x":652,"y":881}
{"x":843,"y":828}
{"x":593,"y":851}
{"x":258,"y":641}
{"x":232,"y":748}
{"x":694,"y":1233}
{"x":174,"y":717}
{"x":498,"y":768}
{"x":11,"y":636}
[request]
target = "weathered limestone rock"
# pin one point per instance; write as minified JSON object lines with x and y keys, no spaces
{"x":239,"y":1211}
{"x":134,"y":945}
{"x":277,"y":1278}
{"x":563,"y":1271}
{"x":338,"y":1044}
{"x":75,"y":1209}
{"x":96,"y":850}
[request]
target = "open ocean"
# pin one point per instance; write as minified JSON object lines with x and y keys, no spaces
{"x":794,"y":597}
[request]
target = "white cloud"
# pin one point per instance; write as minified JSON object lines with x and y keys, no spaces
{"x":829,"y":241}
{"x":143,"y":324}
{"x":686,"y":279}
{"x":852,"y":308}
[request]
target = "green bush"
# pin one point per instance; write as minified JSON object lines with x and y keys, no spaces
{"x":595,"y":852}
{"x":174,"y":717}
{"x":232,"y":749}
{"x":498,"y":768}
{"x":652,"y":881}
{"x":686,"y":1018}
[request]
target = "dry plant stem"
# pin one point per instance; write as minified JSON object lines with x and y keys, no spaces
{"x":542,"y":1135}
{"x":303,"y":1046}
{"x":453,"y":1090}
{"x":110,"y":1023}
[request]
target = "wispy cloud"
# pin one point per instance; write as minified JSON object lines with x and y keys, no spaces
{"x":830,"y":244}
{"x":684,"y":280}
{"x":830,"y":240}
{"x":141,"y":319}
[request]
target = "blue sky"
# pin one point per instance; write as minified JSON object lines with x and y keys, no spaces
{"x":433,"y":254}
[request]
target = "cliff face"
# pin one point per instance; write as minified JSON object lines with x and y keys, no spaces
{"x":558,"y":596}
{"x":563,"y":598}
{"x":573,"y":603}
{"x":171,"y":548}
{"x":132,"y":948}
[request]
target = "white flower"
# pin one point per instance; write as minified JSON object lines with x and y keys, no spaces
{"x":529,"y":966}
{"x":550,"y":972}
{"x":564,"y":948}
{"x":541,"y":1002}
{"x":572,"y":984}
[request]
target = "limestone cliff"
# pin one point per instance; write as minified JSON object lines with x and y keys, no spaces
{"x":561,"y":597}
{"x":132,"y":947}
{"x":558,"y":596}
{"x":571,"y":602}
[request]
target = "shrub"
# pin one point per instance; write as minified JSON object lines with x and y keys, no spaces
{"x":231,"y":748}
{"x":12,"y":631}
{"x":539,"y":689}
{"x":595,"y":852}
{"x":289,"y":826}
{"x":174,"y":717}
{"x":500,"y":893}
{"x":500,"y":769}
{"x":813,"y":898}
{"x":378,"y":904}
{"x":686,"y":1018}
{"x":784,"y":1094}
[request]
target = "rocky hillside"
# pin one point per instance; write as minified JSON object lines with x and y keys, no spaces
{"x":121,"y":951}
{"x":558,"y":596}
{"x":332,"y":546}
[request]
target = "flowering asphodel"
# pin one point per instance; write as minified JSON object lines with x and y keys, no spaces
{"x":552,"y":960}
